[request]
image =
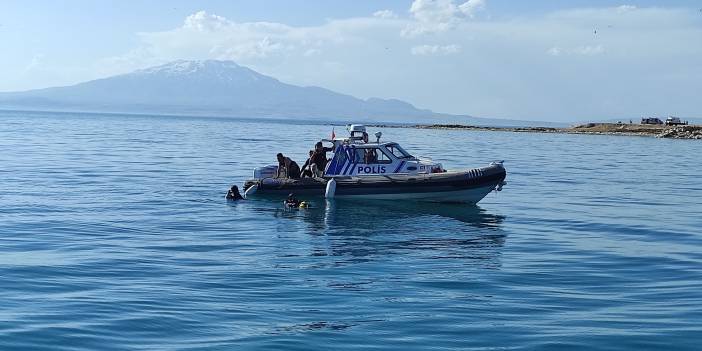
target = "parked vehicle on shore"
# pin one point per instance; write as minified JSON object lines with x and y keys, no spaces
{"x":651,"y":120}
{"x":674,"y":121}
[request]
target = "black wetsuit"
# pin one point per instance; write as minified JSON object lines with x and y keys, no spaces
{"x":234,"y":195}
{"x":293,"y":170}
{"x":320,"y":158}
{"x":292,"y":203}
{"x":307,"y":167}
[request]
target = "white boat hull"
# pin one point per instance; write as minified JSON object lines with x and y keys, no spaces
{"x":471,"y":196}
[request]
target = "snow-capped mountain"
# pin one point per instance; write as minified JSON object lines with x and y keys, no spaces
{"x":210,"y":88}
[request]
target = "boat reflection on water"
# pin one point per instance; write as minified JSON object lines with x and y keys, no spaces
{"x":375,"y":213}
{"x":361,"y":230}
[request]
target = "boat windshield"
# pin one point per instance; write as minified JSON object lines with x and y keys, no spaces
{"x":398,"y":151}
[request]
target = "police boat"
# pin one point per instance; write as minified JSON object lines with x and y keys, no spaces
{"x":367,"y":169}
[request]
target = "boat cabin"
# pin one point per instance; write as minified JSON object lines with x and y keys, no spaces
{"x":357,"y":156}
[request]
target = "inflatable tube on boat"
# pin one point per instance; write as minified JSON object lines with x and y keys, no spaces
{"x":302,"y":186}
{"x":250,"y":191}
{"x":331,"y":189}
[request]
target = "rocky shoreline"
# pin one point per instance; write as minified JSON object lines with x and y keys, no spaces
{"x":682,"y":132}
{"x":658,"y":131}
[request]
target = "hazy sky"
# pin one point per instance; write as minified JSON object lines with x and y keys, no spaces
{"x":544,"y":60}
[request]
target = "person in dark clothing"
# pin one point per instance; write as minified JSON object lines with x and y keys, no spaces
{"x":307,"y":172}
{"x":292,"y":169}
{"x":291,"y":201}
{"x":318,"y":160}
{"x":287,"y":168}
{"x":233,"y":194}
{"x":371,"y":156}
{"x":281,"y":166}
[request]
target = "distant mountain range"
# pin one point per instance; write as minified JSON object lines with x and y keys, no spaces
{"x":223,"y":88}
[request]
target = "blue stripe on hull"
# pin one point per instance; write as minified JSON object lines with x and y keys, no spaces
{"x":347,"y":167}
{"x":399,"y":167}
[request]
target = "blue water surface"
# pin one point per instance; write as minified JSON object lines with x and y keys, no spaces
{"x":114,"y":235}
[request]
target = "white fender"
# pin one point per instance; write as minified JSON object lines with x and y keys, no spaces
{"x":250,"y":191}
{"x":331,"y":189}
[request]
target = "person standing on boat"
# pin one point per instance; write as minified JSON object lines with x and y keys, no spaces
{"x":287,"y":165}
{"x":281,"y":172}
{"x":307,"y":172}
{"x":318,"y":160}
{"x":293,"y":169}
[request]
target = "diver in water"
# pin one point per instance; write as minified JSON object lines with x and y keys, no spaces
{"x":292,"y":202}
{"x":233,"y":194}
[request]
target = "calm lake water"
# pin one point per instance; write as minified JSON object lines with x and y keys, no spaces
{"x":114,"y":235}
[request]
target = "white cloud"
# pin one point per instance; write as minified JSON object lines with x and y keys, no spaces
{"x":34,"y":62}
{"x":493,"y":67}
{"x":386,"y":14}
{"x":253,"y":49}
{"x":204,"y":22}
{"x":555,"y":51}
{"x":311,"y":52}
{"x":626,"y":8}
{"x":206,"y":35}
{"x":625,"y":15}
{"x":435,"y":16}
{"x":584,"y":50}
{"x":434,"y":11}
{"x":425,"y":50}
{"x":471,"y":7}
{"x":589,"y":50}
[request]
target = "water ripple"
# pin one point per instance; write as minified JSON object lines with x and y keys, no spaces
{"x":114,"y":235}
